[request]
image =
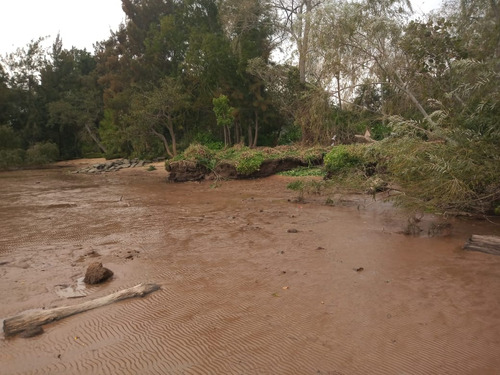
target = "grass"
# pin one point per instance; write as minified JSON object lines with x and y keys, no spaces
{"x":248,"y":160}
{"x":304,"y":172}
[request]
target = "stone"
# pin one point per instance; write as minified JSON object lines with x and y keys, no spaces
{"x":96,"y":274}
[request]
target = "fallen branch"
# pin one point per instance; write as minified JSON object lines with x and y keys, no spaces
{"x":486,"y":244}
{"x":34,"y":318}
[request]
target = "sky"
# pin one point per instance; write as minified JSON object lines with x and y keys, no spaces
{"x":80,"y":23}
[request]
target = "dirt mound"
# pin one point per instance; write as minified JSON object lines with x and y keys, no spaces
{"x":186,"y":170}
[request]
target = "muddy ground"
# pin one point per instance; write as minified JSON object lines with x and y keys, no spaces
{"x":252,"y":283}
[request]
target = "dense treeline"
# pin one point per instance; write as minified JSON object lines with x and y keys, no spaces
{"x":269,"y":72}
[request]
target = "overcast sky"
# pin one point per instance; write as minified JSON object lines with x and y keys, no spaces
{"x":80,"y":23}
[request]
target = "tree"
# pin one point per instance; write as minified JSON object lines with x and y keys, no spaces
{"x":159,"y":112}
{"x":24,"y":78}
{"x":224,"y":114}
{"x":296,"y":23}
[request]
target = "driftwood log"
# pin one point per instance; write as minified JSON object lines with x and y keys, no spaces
{"x":486,"y":244}
{"x":34,"y":318}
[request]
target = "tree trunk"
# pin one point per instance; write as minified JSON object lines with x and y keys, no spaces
{"x":35,"y":318}
{"x":256,"y":134}
{"x":250,"y":137}
{"x":95,"y":139}
{"x":338,"y":90}
{"x":304,"y":41}
{"x":170,"y":127}
{"x":236,"y":132}
{"x":415,"y":101}
{"x":164,"y":140}
{"x":225,"y":136}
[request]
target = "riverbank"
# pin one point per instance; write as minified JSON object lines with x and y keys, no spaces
{"x":252,"y":282}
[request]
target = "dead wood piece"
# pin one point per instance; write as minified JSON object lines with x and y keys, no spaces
{"x":485,"y":244}
{"x":34,"y":318}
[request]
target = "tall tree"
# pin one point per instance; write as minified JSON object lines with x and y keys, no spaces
{"x":159,"y":112}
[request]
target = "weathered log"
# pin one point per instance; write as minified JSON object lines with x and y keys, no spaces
{"x":34,"y":318}
{"x":486,"y":244}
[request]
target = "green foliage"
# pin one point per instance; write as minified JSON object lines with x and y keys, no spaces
{"x":343,"y":159}
{"x":290,"y":135}
{"x":249,"y":162}
{"x":297,"y":185}
{"x":11,"y":158}
{"x":8,"y":138}
{"x":313,"y":155}
{"x":41,"y":154}
{"x":208,"y":140}
{"x":304,"y":172}
{"x":201,"y":154}
{"x":223,"y":111}
{"x":428,"y":90}
{"x":112,"y":136}
{"x":459,"y":176}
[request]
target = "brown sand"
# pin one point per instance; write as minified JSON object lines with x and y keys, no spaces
{"x":241,"y":294}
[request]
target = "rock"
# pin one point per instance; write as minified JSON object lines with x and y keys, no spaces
{"x":96,"y":274}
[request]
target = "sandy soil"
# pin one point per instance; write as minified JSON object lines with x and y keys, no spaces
{"x":252,"y":283}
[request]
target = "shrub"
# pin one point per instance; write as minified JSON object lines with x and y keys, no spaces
{"x":461,"y":175}
{"x":11,"y":158}
{"x":304,"y":172}
{"x":42,"y":153}
{"x":8,"y":138}
{"x":200,"y":154}
{"x":343,"y":158}
{"x":298,"y":186}
{"x":249,"y":162}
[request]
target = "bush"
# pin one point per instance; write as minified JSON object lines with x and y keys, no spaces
{"x":249,"y":162}
{"x":8,"y":138}
{"x":12,"y":158}
{"x":201,"y":154}
{"x":42,"y":153}
{"x":343,"y":158}
{"x":290,"y":135}
{"x":438,"y":176}
{"x":304,"y":172}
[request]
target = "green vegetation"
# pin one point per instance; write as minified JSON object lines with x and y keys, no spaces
{"x":248,"y":160}
{"x":297,"y":185}
{"x":304,"y":172}
{"x":199,"y":76}
{"x":343,"y":159}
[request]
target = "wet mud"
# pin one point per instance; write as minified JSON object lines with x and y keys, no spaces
{"x":252,"y":282}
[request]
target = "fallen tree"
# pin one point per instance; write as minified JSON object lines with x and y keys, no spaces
{"x":486,"y":244}
{"x":31,"y":319}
